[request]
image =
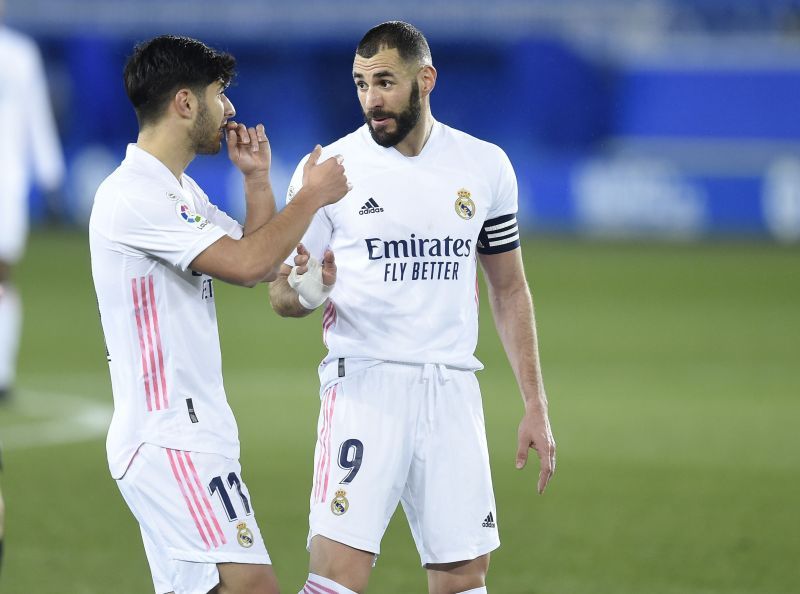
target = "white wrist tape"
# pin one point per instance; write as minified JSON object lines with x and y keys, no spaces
{"x":309,"y":286}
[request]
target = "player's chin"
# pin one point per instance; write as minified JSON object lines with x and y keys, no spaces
{"x":209,"y":149}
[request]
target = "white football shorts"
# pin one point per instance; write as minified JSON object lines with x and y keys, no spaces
{"x":194,"y":511}
{"x":405,"y":433}
{"x":13,"y":226}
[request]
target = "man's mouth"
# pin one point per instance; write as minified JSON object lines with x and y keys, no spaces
{"x":380,"y":120}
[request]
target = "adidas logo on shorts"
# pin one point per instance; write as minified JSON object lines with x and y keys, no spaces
{"x":370,"y":206}
{"x":489,"y":521}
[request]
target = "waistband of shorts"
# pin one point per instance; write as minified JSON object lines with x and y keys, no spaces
{"x":334,"y":370}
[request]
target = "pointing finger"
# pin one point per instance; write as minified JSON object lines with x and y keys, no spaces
{"x":314,"y":156}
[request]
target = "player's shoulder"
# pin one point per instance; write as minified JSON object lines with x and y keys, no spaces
{"x":11,"y":38}
{"x":127,"y":181}
{"x":349,"y":142}
{"x":13,"y":43}
{"x":132,"y":184}
{"x":190,"y":184}
{"x":481,"y":149}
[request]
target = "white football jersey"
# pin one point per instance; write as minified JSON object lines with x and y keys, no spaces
{"x":405,"y":240}
{"x":158,"y":316}
{"x":24,"y":98}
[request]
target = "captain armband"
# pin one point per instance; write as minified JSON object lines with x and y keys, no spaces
{"x":500,"y":234}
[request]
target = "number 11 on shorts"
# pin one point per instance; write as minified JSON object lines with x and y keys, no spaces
{"x":216,"y":485}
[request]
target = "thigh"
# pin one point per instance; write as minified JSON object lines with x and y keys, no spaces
{"x":240,"y":578}
{"x":362,"y":456}
{"x":463,"y":576}
{"x":449,"y":500}
{"x":194,"y":512}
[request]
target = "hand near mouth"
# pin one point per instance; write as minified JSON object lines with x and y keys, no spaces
{"x":248,"y":148}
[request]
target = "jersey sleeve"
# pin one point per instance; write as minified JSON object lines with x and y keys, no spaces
{"x":318,"y":235}
{"x":170,"y":230}
{"x":213,"y":213}
{"x":500,"y":232}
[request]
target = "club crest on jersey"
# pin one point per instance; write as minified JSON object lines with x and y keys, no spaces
{"x":465,"y":207}
{"x":340,"y":504}
{"x":244,"y":535}
{"x":192,"y":218}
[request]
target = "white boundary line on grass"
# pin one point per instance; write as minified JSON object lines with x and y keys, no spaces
{"x":55,"y":419}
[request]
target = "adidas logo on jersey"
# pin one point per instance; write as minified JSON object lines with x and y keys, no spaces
{"x":489,"y":521}
{"x":370,"y":206}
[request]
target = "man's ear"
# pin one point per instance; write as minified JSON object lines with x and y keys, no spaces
{"x":426,"y":79}
{"x":184,"y":103}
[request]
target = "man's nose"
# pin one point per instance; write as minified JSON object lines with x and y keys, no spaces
{"x":230,"y":110}
{"x":374,"y":99}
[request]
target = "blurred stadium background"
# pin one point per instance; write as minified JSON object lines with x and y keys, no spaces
{"x":657,"y":146}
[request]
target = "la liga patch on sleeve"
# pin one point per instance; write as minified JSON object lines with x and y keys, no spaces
{"x":186,"y":214}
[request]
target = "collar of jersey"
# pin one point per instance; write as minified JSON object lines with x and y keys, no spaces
{"x":141,"y":158}
{"x":428,"y":149}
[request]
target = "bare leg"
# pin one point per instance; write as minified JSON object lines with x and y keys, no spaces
{"x":244,"y":578}
{"x":461,"y":576}
{"x":343,"y":564}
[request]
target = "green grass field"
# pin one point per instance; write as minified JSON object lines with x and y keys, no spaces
{"x":672,"y":372}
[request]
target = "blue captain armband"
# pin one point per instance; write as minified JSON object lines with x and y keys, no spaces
{"x":500,"y":234}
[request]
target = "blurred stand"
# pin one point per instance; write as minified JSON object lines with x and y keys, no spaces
{"x":644,"y":118}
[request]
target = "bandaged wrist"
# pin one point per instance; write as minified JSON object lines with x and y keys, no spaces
{"x":311,"y":291}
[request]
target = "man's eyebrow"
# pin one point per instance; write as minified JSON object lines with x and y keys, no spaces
{"x":379,"y":74}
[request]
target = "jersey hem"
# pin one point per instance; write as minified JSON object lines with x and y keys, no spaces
{"x":118,"y":474}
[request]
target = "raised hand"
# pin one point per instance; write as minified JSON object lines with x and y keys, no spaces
{"x":325,"y":182}
{"x":248,"y":148}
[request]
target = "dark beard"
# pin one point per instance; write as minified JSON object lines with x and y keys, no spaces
{"x":204,"y":137}
{"x":405,"y":120}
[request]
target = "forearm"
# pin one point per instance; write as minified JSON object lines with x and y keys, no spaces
{"x":284,"y":299}
{"x":260,"y":202}
{"x":516,"y":325}
{"x":265,"y":249}
{"x":257,"y":257}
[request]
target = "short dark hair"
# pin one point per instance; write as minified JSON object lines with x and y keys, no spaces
{"x":409,"y":42}
{"x":159,"y":67}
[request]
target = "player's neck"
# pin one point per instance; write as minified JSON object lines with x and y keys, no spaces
{"x":412,"y":145}
{"x":168,"y":147}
